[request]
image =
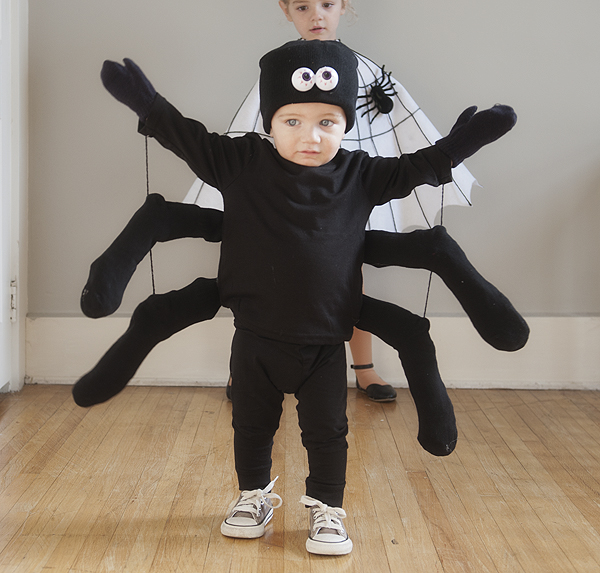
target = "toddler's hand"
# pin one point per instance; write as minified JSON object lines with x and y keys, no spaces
{"x":474,"y":130}
{"x":129,"y":85}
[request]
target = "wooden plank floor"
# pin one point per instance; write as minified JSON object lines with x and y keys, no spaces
{"x":141,"y":484}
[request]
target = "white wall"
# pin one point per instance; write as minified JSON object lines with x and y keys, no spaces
{"x":532,"y":229}
{"x":561,"y":353}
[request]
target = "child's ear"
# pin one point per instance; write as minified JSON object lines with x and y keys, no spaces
{"x":284,"y":7}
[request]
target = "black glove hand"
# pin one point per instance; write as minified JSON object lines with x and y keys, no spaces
{"x":129,"y":85}
{"x":474,"y":130}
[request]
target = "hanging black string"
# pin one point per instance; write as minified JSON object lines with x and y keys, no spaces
{"x":442,"y":206}
{"x":148,"y":193}
{"x":431,"y":273}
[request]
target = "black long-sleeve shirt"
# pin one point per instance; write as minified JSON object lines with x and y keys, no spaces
{"x":293,"y":236}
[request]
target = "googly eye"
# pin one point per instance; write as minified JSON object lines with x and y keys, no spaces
{"x":303,"y":79}
{"x":326,"y":79}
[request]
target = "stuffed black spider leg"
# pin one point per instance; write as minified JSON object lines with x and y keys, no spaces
{"x":155,"y":221}
{"x":154,"y":320}
{"x":409,"y":335}
{"x":492,"y":314}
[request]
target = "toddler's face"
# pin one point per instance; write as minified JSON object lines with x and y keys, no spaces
{"x":308,"y":134}
{"x":314,"y":19}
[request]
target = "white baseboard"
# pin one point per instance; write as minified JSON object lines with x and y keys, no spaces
{"x":562,"y":353}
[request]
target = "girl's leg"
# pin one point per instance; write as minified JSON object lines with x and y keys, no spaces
{"x":491,"y":313}
{"x":155,"y":221}
{"x":367,"y":379}
{"x":409,"y":335}
{"x":154,"y":320}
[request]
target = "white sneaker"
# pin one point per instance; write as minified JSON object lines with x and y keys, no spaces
{"x":250,"y":512}
{"x":326,"y":535}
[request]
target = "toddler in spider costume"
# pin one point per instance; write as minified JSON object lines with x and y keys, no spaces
{"x":163,"y":315}
{"x":292,"y":248}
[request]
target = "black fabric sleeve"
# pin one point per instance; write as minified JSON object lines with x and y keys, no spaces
{"x":216,"y":159}
{"x":395,"y":177}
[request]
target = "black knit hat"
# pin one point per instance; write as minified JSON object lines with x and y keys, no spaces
{"x":306,"y":71}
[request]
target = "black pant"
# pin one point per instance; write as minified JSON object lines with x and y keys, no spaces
{"x":263,"y":371}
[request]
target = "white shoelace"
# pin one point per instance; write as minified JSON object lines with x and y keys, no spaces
{"x":325,"y":517}
{"x":251,"y":501}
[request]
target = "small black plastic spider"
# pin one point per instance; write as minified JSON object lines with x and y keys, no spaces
{"x":378,"y":95}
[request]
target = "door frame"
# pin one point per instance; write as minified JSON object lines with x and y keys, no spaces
{"x":14,"y":69}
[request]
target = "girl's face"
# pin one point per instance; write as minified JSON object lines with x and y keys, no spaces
{"x":314,"y":19}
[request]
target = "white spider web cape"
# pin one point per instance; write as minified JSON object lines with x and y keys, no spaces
{"x":405,"y":129}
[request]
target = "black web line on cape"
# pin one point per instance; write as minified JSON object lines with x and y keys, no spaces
{"x":371,"y":137}
{"x":369,"y":63}
{"x":374,"y":69}
{"x":411,"y":115}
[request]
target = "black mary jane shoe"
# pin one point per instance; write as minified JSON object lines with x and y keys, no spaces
{"x":375,"y":392}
